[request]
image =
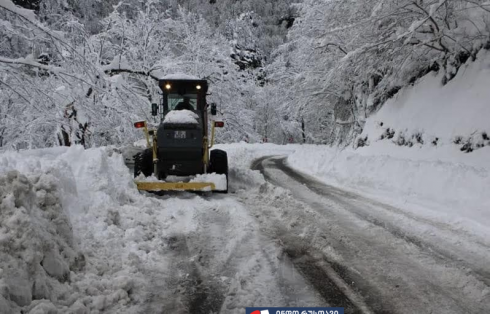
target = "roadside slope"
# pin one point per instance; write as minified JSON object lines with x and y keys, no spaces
{"x":427,"y":149}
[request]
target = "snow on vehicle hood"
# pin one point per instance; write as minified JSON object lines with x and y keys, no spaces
{"x":181,"y":117}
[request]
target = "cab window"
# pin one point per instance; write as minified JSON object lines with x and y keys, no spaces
{"x":186,"y":101}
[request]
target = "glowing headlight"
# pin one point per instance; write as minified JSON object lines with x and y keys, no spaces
{"x":168,"y":86}
{"x":198,"y":86}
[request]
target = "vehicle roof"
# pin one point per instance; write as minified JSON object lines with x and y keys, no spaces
{"x":179,"y":76}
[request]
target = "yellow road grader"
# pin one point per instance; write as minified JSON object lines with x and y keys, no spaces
{"x":178,"y":156}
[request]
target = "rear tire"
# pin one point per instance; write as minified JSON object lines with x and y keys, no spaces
{"x":143,"y":163}
{"x":219,"y":165}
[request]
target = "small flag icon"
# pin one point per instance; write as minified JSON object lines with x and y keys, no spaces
{"x":261,"y":312}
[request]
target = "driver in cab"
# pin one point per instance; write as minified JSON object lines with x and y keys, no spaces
{"x":184,"y":105}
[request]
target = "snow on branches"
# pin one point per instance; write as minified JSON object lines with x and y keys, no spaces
{"x":61,"y":84}
{"x":344,"y":59}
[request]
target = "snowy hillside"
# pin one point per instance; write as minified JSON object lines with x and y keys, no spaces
{"x":432,"y":114}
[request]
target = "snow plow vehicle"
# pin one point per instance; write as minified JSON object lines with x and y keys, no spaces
{"x":178,"y":156}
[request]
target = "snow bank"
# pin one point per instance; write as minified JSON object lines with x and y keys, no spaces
{"x":36,"y":241}
{"x":458,"y":109}
{"x":77,"y":237}
{"x":442,"y":183}
{"x":181,"y":117}
{"x":403,"y":175}
{"x":75,"y":232}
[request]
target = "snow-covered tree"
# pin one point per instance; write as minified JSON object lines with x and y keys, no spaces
{"x":343,"y":59}
{"x":79,"y":87}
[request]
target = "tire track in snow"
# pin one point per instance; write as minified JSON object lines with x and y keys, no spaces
{"x":330,"y":279}
{"x":339,"y":196}
{"x":365,"y":287}
{"x":184,"y":289}
{"x":221,"y":252}
{"x":231,"y":245}
{"x":209,"y":268}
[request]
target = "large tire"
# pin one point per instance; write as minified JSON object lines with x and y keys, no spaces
{"x":143,"y":163}
{"x":219,"y":164}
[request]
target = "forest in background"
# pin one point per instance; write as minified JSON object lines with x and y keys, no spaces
{"x":81,"y":72}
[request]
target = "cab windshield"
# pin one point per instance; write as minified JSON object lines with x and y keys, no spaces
{"x":180,"y":102}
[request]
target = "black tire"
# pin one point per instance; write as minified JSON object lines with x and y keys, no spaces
{"x":219,"y":164}
{"x":143,"y":163}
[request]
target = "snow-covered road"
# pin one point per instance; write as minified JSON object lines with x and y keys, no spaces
{"x":374,"y":257}
{"x":77,"y":237}
{"x":223,"y":264}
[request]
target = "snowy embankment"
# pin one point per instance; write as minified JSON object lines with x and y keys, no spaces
{"x":49,"y":200}
{"x":427,"y":149}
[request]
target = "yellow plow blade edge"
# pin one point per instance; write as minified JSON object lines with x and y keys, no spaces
{"x":170,"y":186}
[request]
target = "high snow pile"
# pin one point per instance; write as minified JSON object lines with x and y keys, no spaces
{"x":75,"y":234}
{"x":49,"y":199}
{"x":428,"y":145}
{"x":36,"y":241}
{"x":181,"y":117}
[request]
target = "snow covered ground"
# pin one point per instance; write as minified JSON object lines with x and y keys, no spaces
{"x":77,"y":237}
{"x":442,"y":183}
{"x":435,"y":115}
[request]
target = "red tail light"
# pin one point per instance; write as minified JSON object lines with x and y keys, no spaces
{"x":219,"y":124}
{"x":139,"y":124}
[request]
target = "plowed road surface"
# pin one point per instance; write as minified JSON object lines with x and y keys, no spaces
{"x":294,"y":241}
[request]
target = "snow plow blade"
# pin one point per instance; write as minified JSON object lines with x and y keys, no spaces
{"x":171,"y":186}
